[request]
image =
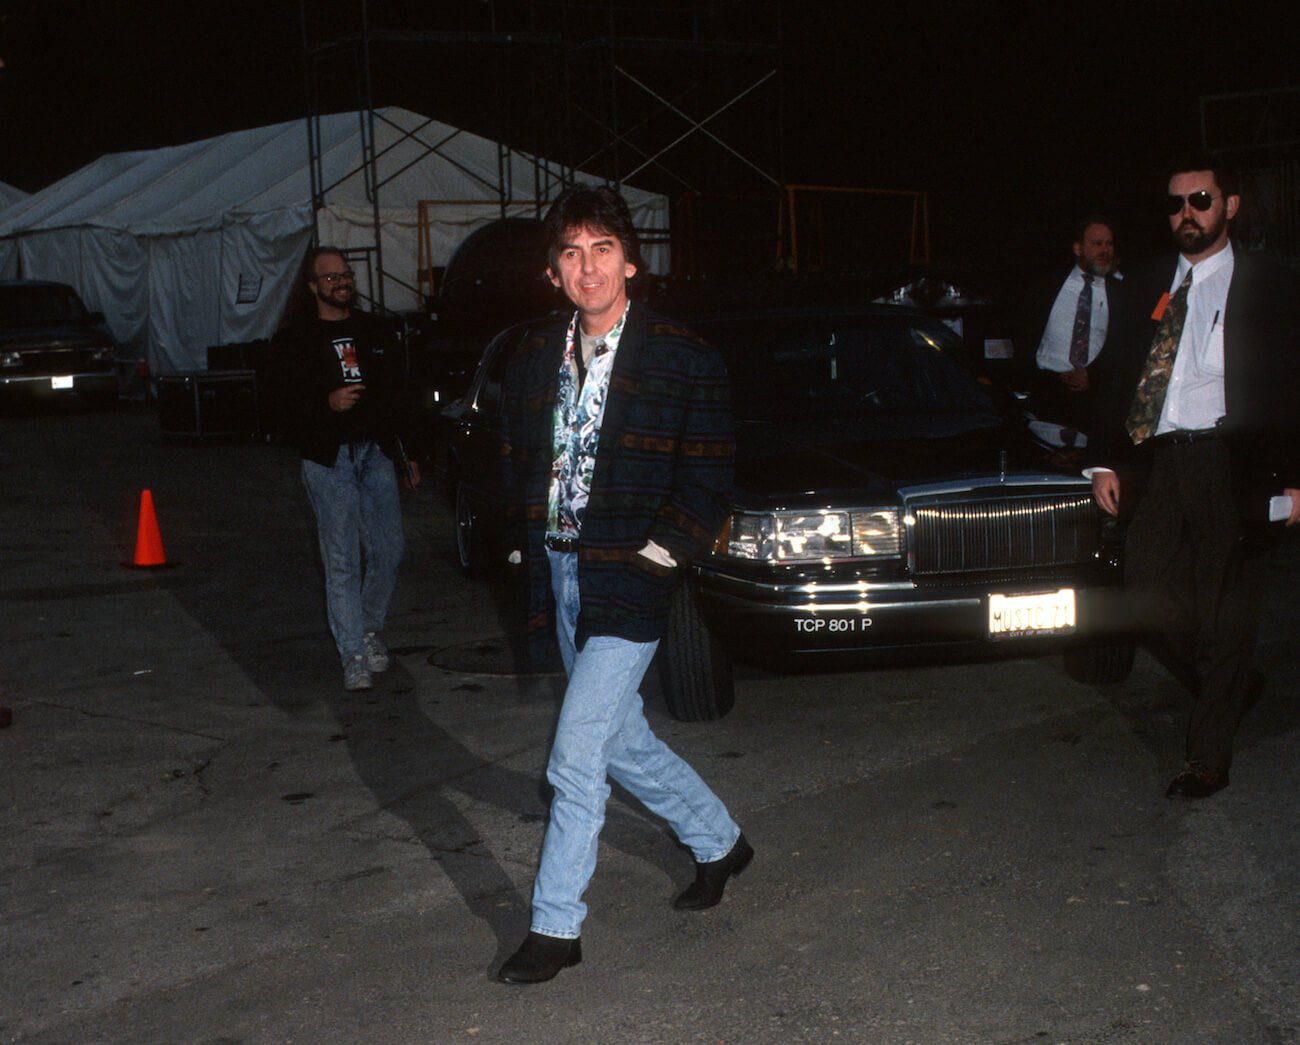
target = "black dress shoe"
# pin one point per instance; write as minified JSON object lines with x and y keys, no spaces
{"x":1195,"y":781}
{"x":711,"y":878}
{"x":540,"y":958}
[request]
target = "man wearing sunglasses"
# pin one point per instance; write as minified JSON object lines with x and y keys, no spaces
{"x":337,"y":377}
{"x":1198,"y":448}
{"x":1068,"y":323}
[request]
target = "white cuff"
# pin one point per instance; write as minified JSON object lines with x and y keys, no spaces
{"x":657,"y":554}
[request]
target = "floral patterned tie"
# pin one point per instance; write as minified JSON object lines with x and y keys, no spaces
{"x":1149,"y":400}
{"x":1081,"y":334}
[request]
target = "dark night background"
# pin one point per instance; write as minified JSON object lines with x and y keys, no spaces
{"x":1015,"y":118}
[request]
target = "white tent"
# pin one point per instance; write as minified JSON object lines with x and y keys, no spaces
{"x":8,"y":249}
{"x":9,"y":195}
{"x":197,"y":245}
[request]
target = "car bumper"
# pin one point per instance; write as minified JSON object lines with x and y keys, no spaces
{"x":47,"y":386}
{"x":864,"y":617}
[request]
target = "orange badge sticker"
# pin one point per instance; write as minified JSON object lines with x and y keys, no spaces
{"x":1159,"y":313}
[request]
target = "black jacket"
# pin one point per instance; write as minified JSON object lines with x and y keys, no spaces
{"x":1261,"y":354}
{"x":664,"y":471}
{"x":1052,"y":401}
{"x":304,"y":370}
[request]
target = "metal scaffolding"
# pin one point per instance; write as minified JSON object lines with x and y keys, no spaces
{"x":675,"y":98}
{"x":1259,"y":132}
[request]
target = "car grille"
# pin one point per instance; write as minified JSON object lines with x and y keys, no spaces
{"x":74,"y":360}
{"x":1015,"y":532}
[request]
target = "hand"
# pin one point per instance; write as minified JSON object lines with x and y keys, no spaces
{"x":1075,"y":380}
{"x":412,"y":478}
{"x":1105,"y":489}
{"x":345,"y":398}
{"x":1294,"y":517}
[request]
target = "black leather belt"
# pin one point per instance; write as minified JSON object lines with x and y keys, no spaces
{"x":1185,"y":437}
{"x":561,"y":544}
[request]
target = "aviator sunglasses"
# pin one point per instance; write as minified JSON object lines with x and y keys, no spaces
{"x":1199,"y":200}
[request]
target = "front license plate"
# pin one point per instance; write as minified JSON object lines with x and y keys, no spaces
{"x":831,"y":625}
{"x":61,"y":382}
{"x":1015,"y":616}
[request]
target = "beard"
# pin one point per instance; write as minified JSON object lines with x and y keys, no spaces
{"x":339,"y":296}
{"x":1192,"y":238}
{"x":1101,"y":267}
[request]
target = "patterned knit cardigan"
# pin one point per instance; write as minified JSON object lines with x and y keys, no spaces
{"x":663,"y":473}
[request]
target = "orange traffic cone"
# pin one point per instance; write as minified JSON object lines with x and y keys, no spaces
{"x":148,"y":541}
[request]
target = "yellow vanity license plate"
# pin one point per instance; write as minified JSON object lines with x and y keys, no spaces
{"x":1047,"y":613}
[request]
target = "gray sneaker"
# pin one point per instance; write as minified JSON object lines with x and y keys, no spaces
{"x":356,"y":674}
{"x":376,"y":653}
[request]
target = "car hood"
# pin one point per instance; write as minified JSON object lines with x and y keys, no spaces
{"x":832,"y":463}
{"x":61,"y":336}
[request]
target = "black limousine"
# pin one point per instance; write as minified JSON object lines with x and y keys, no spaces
{"x":889,"y":498}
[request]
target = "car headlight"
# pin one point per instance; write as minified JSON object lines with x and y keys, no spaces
{"x":812,"y":536}
{"x":11,"y":359}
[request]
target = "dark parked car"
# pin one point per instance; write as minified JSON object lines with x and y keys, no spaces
{"x":51,"y":347}
{"x":889,"y":498}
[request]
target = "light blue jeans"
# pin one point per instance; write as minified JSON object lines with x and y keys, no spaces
{"x":359,"y":521}
{"x":603,"y":733}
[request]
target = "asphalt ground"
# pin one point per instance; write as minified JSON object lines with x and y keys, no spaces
{"x":203,"y":838}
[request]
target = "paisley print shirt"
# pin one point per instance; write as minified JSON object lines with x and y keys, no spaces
{"x":579,"y":407}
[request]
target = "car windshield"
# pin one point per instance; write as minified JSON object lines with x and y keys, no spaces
{"x":39,"y":306}
{"x":888,"y":375}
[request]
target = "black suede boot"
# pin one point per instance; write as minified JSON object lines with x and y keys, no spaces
{"x":711,"y":878}
{"x":540,"y":958}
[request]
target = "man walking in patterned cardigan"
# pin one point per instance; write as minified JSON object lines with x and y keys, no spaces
{"x":618,"y":461}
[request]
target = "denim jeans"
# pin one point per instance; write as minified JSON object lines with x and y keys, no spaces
{"x":603,"y":733}
{"x":359,"y":522}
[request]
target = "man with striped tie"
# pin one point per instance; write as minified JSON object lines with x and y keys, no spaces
{"x":1069,"y":324}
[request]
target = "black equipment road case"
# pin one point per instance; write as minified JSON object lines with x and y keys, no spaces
{"x":208,"y":404}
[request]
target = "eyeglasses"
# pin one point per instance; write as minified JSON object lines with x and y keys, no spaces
{"x":330,"y":278}
{"x":1199,"y":200}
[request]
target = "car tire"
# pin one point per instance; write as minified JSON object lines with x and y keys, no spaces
{"x":1101,"y":665}
{"x":695,"y":673}
{"x":469,"y":553}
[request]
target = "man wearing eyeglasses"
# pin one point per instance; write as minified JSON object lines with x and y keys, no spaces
{"x":338,"y":379}
{"x":1198,"y":447}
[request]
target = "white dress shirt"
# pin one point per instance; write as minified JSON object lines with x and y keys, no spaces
{"x":1195,"y":397}
{"x":1054,"y":348}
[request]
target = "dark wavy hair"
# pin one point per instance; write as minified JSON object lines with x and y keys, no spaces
{"x":598,"y":208}
{"x":309,"y":262}
{"x":1225,"y":177}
